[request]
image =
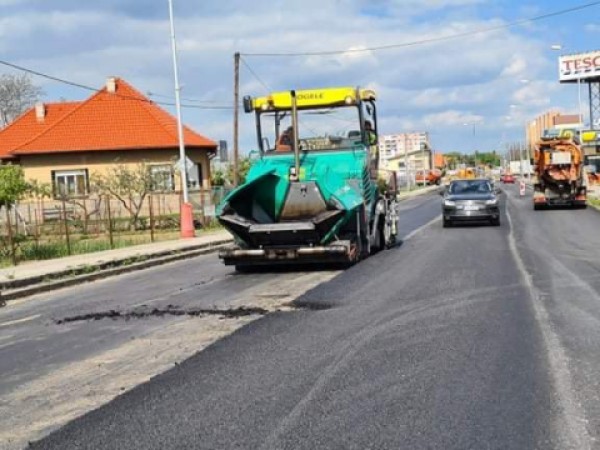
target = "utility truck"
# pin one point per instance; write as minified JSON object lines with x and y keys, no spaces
{"x":559,"y":176}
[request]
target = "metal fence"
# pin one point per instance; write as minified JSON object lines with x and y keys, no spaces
{"x":101,"y":221}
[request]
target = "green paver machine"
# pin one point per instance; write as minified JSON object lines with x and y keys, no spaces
{"x":314,"y":192}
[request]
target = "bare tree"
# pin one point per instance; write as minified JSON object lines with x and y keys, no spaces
{"x":17,"y":93}
{"x":129,"y":185}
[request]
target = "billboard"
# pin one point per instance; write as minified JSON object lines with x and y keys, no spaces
{"x":579,"y":66}
{"x":590,"y":138}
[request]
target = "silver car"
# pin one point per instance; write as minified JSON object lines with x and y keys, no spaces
{"x":470,"y":201}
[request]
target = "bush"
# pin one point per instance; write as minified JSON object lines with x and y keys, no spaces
{"x":47,"y":250}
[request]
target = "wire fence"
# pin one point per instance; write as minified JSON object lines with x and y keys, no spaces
{"x":50,"y":228}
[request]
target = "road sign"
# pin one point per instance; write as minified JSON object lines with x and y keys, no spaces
{"x":189,"y":164}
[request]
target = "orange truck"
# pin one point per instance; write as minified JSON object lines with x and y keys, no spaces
{"x":467,"y":173}
{"x":559,"y":176}
{"x":428,"y":177}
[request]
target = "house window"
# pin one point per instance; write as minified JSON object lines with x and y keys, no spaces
{"x":194,"y":176}
{"x":162,"y":178}
{"x":70,"y":183}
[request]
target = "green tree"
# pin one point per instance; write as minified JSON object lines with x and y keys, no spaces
{"x":12,"y":188}
{"x":218,"y":178}
{"x":243,"y":168}
{"x":12,"y":185}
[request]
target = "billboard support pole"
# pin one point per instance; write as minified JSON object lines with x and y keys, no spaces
{"x":594,"y":93}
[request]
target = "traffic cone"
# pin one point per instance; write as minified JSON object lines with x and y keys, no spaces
{"x":187,"y":221}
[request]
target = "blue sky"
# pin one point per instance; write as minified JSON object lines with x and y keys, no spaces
{"x":437,"y":87}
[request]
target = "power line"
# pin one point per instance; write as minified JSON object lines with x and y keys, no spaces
{"x":43,"y":75}
{"x":430,"y":40}
{"x":255,"y":75}
{"x":90,"y":88}
{"x":191,"y":100}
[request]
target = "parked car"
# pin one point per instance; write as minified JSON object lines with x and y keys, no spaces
{"x":507,"y":178}
{"x":470,"y":200}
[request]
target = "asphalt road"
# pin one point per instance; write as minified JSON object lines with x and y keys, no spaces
{"x":473,"y":337}
{"x":53,"y":372}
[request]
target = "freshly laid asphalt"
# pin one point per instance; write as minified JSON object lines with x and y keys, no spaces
{"x":36,"y":277}
{"x":472,"y":337}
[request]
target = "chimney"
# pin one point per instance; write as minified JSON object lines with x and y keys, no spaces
{"x":40,"y":112}
{"x":111,"y":85}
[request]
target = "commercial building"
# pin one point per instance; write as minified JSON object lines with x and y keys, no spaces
{"x":550,"y":120}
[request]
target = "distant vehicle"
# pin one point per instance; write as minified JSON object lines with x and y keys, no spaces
{"x":429,"y":177}
{"x":467,"y":173}
{"x":507,"y":178}
{"x":469,"y":201}
{"x":560,"y":178}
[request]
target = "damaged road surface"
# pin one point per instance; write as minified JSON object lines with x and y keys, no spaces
{"x":66,"y":353}
{"x":170,"y":310}
{"x":70,"y":352}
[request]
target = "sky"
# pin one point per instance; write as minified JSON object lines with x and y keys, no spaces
{"x":468,"y":93}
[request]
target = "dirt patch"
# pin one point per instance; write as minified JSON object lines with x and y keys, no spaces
{"x":170,"y":310}
{"x":68,"y":390}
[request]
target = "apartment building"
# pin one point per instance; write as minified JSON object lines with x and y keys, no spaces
{"x":392,"y":146}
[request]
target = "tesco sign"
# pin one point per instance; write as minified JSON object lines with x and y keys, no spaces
{"x":579,"y":66}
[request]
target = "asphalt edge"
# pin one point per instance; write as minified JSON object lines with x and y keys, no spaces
{"x":416,"y":193}
{"x":104,"y":272}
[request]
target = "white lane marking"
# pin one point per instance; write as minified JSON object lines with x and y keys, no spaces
{"x":16,"y":321}
{"x":573,"y":419}
{"x":421,"y":228}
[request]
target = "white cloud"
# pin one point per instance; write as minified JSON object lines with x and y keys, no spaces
{"x":592,"y":28}
{"x":439,"y":85}
{"x":537,"y":94}
{"x":450,"y":118}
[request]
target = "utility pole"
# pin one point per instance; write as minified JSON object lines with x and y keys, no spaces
{"x":406,"y":163}
{"x":236,"y":115}
{"x":186,"y":213}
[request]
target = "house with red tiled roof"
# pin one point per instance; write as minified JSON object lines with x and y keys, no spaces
{"x":64,"y":143}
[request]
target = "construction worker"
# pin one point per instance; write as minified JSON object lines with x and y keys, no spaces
{"x":285,"y":140}
{"x":371,"y":136}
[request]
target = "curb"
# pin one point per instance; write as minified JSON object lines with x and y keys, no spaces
{"x":417,"y":193}
{"x":37,"y":285}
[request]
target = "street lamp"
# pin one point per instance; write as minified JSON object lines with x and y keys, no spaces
{"x":186,"y":213}
{"x":466,"y":124}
